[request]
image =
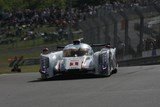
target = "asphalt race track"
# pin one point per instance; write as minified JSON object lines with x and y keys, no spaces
{"x":130,"y":87}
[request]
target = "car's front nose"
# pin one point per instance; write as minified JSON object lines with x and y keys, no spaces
{"x":70,"y":63}
{"x":76,"y":64}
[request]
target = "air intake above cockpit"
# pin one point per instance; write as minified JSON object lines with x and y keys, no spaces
{"x":78,"y":41}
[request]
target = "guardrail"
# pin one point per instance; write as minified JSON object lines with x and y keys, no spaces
{"x":131,"y":62}
{"x":140,"y":61}
{"x":19,"y":61}
{"x":29,"y":62}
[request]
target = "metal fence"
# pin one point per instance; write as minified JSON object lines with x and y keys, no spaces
{"x":131,"y":30}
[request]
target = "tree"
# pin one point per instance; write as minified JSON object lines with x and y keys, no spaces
{"x":79,"y":3}
{"x":32,"y":4}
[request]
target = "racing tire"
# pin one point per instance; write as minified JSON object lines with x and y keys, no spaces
{"x":115,"y":70}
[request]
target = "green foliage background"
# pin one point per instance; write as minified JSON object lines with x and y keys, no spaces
{"x":40,"y":4}
{"x":23,"y":4}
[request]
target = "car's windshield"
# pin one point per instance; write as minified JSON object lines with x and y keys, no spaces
{"x":75,"y":52}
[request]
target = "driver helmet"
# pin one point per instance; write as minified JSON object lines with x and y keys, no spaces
{"x":45,"y":51}
{"x":108,"y":45}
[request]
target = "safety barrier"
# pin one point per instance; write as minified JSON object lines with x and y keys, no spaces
{"x":140,"y":61}
{"x":148,"y":58}
{"x":150,"y":53}
{"x":20,"y":61}
{"x":131,"y":62}
{"x":34,"y":61}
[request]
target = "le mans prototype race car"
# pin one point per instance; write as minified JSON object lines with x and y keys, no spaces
{"x":78,"y":58}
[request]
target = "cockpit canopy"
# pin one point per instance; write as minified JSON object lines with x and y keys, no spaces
{"x":77,"y":50}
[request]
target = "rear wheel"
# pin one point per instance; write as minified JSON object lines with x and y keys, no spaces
{"x":115,"y":69}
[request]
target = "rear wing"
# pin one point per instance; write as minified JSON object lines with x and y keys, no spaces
{"x":97,"y":45}
{"x":60,"y":47}
{"x":102,"y":45}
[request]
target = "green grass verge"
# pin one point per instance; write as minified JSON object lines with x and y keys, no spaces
{"x":5,"y":54}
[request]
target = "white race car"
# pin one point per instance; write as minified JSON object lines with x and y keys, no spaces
{"x":78,"y":58}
